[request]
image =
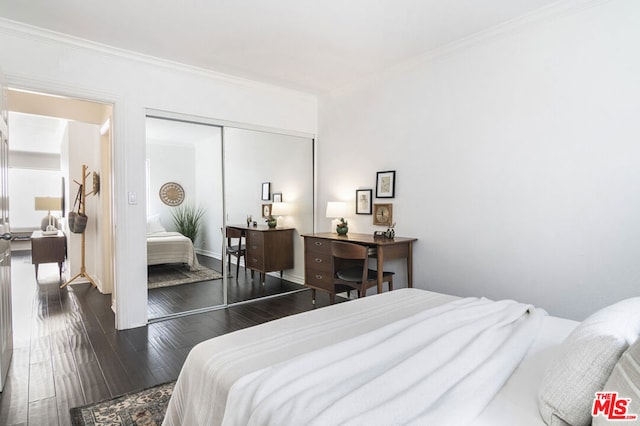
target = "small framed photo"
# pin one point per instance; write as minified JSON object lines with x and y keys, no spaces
{"x":266,"y":210}
{"x":386,"y":184}
{"x":266,"y":191}
{"x":277,"y":197}
{"x":363,"y":201}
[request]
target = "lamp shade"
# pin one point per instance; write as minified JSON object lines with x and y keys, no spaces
{"x":336,"y":209}
{"x":279,"y":209}
{"x":48,"y":203}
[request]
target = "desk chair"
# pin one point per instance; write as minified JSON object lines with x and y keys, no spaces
{"x":351,"y":269}
{"x":238,"y":250}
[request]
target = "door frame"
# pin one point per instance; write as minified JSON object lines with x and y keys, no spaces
{"x":116,"y":176}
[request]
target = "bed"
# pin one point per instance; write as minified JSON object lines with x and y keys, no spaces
{"x":408,"y":356}
{"x":165,"y":247}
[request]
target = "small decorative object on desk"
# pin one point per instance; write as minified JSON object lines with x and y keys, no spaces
{"x":390,"y":232}
{"x":249,"y":220}
{"x":342,"y":228}
{"x":272,"y":222}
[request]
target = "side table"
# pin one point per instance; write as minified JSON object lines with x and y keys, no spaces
{"x":48,"y":249}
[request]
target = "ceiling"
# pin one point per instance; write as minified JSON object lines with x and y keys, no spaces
{"x":310,"y":45}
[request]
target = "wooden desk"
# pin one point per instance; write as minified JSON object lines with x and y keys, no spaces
{"x":318,"y":261}
{"x":48,"y":249}
{"x":268,"y":249}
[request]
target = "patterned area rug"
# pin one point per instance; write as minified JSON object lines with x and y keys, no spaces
{"x":146,"y":407}
{"x":169,"y":275}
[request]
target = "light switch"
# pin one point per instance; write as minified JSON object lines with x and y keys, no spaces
{"x":133,"y":198}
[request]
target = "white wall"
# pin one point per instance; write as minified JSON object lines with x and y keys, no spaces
{"x":517,"y":160}
{"x":45,"y":61}
{"x":208,"y":166}
{"x":170,"y":163}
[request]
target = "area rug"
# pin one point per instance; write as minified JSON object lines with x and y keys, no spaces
{"x":169,"y":275}
{"x":146,"y":407}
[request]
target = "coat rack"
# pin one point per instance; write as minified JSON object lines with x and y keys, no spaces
{"x":81,"y":209}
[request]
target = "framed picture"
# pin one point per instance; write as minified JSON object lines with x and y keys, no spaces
{"x":363,"y":201}
{"x":266,"y":191}
{"x":277,"y":197}
{"x":383,"y":214}
{"x":386,"y":184}
{"x":266,"y":210}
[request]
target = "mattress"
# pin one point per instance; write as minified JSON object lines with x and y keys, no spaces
{"x":170,"y":247}
{"x":212,"y":367}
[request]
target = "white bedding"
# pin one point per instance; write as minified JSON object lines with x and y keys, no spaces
{"x":212,"y":367}
{"x":170,"y":247}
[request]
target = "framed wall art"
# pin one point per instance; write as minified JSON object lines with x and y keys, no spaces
{"x":266,"y":191}
{"x":266,"y":210}
{"x":363,"y":201}
{"x":277,"y":197}
{"x":383,"y":214}
{"x":386,"y":184}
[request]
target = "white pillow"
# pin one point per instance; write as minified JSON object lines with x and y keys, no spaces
{"x":154,"y":225}
{"x":625,"y":379}
{"x":587,"y":357}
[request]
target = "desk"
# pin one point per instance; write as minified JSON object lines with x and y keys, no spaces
{"x":318,"y":261}
{"x":48,"y":249}
{"x":268,"y":249}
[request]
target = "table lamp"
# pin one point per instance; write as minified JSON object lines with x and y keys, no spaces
{"x":335,"y":211}
{"x":49,"y":223}
{"x":278,"y":210}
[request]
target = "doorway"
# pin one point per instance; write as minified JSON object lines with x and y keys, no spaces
{"x":79,"y":133}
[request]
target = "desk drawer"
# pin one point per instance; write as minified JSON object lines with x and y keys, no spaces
{"x":318,"y":245}
{"x":319,"y":278}
{"x":255,"y":244}
{"x":319,"y":261}
{"x":255,"y":262}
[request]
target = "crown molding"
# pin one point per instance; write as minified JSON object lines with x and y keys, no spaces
{"x":19,"y":29}
{"x":529,"y":20}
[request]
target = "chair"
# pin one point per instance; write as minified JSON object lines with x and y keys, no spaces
{"x":238,"y":250}
{"x":351,"y":269}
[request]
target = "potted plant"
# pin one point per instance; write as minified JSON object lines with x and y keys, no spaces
{"x":188,"y":220}
{"x":272,"y":222}
{"x":342,"y":227}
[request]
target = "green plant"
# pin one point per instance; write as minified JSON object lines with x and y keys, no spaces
{"x":188,"y":220}
{"x":343,"y":223}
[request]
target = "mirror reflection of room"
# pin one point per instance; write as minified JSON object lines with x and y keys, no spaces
{"x":184,"y":209}
{"x":184,"y":168}
{"x":268,"y":175}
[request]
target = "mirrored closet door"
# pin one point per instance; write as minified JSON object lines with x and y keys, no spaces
{"x":231,"y":180}
{"x":267,"y":173}
{"x":184,"y":216}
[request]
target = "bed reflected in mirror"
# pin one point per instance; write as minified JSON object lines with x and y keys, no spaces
{"x":184,"y":216}
{"x":226,"y":177}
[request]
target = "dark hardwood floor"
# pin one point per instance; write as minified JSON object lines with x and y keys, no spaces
{"x":187,"y":297}
{"x":67,"y":352}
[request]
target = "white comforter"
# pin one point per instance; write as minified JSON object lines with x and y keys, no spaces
{"x":170,"y":247}
{"x":213,"y":367}
{"x":441,"y":366}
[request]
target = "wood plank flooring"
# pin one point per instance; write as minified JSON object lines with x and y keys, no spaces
{"x":67,"y":352}
{"x":171,"y":300}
